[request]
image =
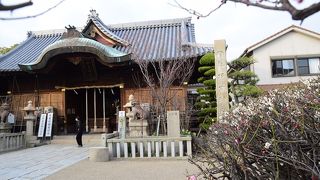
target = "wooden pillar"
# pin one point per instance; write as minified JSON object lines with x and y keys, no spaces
{"x":87,"y":127}
{"x":95,"y":109}
{"x":104,"y":110}
{"x":221,"y":78}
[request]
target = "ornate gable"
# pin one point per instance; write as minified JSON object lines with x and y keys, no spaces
{"x":97,"y":30}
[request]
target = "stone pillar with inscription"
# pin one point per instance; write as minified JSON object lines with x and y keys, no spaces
{"x":222,"y":94}
{"x":122,"y":125}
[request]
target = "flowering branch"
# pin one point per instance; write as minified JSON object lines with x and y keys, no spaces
{"x":275,"y":136}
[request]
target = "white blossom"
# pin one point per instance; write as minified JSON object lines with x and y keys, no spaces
{"x":267,"y":145}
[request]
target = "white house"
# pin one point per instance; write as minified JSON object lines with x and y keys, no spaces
{"x":288,"y":56}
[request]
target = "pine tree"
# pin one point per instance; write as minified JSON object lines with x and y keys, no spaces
{"x":243,"y":81}
{"x":206,"y":102}
{"x":242,"y":85}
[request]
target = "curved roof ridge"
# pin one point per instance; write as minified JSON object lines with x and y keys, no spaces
{"x":41,"y":60}
{"x":151,"y":23}
{"x":52,"y":31}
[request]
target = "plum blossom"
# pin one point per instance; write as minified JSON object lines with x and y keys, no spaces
{"x":267,"y":145}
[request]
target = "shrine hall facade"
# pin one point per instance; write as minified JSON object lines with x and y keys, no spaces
{"x":91,"y":71}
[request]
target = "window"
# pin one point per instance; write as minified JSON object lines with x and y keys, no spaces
{"x":308,"y":66}
{"x":283,"y":67}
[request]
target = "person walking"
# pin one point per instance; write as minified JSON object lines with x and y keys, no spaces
{"x":79,"y":131}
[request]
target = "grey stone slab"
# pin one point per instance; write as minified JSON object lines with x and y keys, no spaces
{"x":39,"y":162}
{"x":173,"y":123}
{"x":4,"y":171}
{"x":13,"y":174}
{"x":34,"y":175}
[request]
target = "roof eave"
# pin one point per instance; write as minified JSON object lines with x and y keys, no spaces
{"x":279,"y":34}
{"x":107,"y":55}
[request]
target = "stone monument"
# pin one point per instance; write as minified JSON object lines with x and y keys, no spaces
{"x":5,"y":127}
{"x":137,"y":116}
{"x":173,"y":123}
{"x":221,"y":78}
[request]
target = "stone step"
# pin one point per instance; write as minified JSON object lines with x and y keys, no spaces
{"x":33,"y":142}
{"x":87,"y":139}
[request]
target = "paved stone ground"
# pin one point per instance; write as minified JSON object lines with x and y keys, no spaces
{"x":152,"y":169}
{"x":39,"y":162}
{"x":64,"y":160}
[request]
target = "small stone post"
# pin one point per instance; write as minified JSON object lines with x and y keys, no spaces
{"x":122,"y":125}
{"x":221,"y":78}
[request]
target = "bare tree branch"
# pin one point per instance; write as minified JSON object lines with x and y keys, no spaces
{"x":276,"y":5}
{"x":14,"y":7}
{"x":194,"y":12}
{"x":33,"y":16}
{"x":161,"y":75}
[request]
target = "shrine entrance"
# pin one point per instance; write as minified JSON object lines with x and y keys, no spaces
{"x":96,"y":107}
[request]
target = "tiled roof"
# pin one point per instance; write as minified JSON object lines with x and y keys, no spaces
{"x":160,"y":40}
{"x":106,"y":54}
{"x":27,"y":51}
{"x":151,"y":40}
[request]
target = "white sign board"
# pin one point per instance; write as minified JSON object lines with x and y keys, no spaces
{"x":49,"y":125}
{"x":11,"y":118}
{"x":122,"y":124}
{"x":42,"y":124}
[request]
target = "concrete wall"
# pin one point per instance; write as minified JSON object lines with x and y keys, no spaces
{"x":290,"y":45}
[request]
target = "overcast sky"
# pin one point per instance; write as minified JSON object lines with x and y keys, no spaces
{"x":240,"y":25}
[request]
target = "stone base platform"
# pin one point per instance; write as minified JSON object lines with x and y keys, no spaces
{"x":138,"y":128}
{"x":99,"y":154}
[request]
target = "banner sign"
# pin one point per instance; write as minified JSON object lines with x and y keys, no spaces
{"x":49,"y":125}
{"x":42,"y":125}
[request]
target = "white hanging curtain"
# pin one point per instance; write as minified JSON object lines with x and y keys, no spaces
{"x":314,"y":65}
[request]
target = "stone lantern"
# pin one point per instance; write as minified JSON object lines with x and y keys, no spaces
{"x":30,"y":118}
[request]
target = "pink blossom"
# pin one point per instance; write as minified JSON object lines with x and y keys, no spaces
{"x":192,"y":177}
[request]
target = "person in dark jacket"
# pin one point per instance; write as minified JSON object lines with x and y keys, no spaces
{"x":79,"y":131}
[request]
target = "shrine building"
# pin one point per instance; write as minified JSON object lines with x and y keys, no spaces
{"x":91,"y":71}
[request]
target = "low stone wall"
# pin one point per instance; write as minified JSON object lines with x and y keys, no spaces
{"x":12,"y":141}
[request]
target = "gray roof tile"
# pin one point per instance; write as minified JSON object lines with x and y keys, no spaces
{"x":151,"y":40}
